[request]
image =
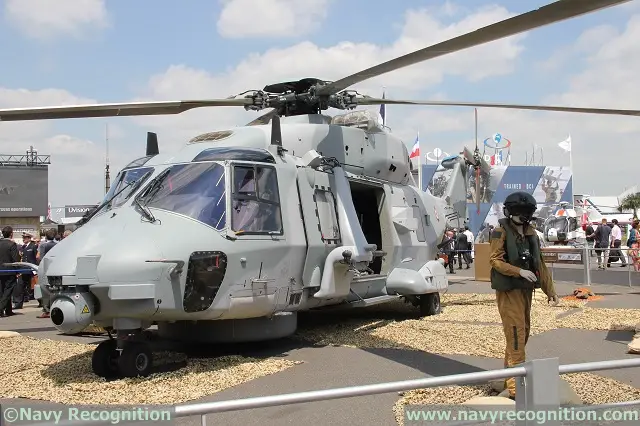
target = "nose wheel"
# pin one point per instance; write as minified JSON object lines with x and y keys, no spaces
{"x":133,"y":360}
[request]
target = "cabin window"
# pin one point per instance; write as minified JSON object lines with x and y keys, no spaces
{"x":255,"y":204}
{"x":327,"y":215}
{"x":194,"y":190}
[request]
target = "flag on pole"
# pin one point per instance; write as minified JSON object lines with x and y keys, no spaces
{"x":566,"y":144}
{"x":383,"y":111}
{"x":415,"y":151}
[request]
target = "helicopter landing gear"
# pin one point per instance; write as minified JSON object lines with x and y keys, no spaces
{"x":104,"y":361}
{"x":430,"y":304}
{"x":122,"y":357}
{"x":135,"y":359}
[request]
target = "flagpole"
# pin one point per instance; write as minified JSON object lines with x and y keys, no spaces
{"x":419,"y":161}
{"x":570,"y":155}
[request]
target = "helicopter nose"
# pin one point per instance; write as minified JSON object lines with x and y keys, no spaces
{"x":96,"y":253}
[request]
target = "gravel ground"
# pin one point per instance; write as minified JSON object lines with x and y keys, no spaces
{"x":60,"y":371}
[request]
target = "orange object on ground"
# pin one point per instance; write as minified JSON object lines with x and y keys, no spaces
{"x":582,"y":293}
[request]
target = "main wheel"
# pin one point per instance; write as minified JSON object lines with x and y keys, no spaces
{"x":135,"y":360}
{"x":104,"y":361}
{"x":430,"y":304}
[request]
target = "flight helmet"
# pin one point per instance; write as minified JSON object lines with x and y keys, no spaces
{"x":520,"y":204}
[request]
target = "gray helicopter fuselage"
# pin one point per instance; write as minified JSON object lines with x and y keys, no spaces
{"x":190,"y":265}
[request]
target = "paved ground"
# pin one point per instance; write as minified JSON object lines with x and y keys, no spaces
{"x":326,"y":367}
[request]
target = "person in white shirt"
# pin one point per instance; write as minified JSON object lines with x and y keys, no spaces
{"x":470,"y":241}
{"x":616,"y":240}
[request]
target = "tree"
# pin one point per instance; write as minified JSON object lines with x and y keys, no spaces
{"x":631,"y":202}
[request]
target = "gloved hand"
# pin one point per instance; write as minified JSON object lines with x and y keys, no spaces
{"x":528,"y":275}
{"x":553,"y":300}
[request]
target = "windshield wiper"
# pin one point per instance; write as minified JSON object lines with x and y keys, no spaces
{"x":153,"y":188}
{"x":87,"y":218}
{"x":145,"y":211}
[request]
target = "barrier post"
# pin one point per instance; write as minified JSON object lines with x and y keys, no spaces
{"x":587,"y":265}
{"x":628,"y":265}
{"x":539,"y":389}
{"x":203,"y":420}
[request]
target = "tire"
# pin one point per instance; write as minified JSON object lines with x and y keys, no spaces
{"x":430,"y":304}
{"x":136,"y":360}
{"x":104,"y":360}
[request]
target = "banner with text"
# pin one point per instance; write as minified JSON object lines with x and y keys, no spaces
{"x":24,"y":191}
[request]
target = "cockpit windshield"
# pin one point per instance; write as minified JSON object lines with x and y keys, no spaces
{"x":561,"y":224}
{"x":196,"y":190}
{"x":131,"y":179}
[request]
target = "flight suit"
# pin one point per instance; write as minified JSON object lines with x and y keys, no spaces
{"x":514,"y":294}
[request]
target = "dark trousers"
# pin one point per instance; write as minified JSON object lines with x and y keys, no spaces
{"x":22,"y":291}
{"x":451,"y":260}
{"x":462,"y":254}
{"x":615,"y":252}
{"x":7,"y":285}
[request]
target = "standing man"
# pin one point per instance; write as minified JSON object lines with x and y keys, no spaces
{"x":8,"y":254}
{"x":29,"y":255}
{"x":448,"y":248}
{"x":470,"y":240}
{"x":517,"y":268}
{"x":603,"y":238}
{"x":616,"y":241}
{"x":462,"y":247}
{"x":590,"y":233}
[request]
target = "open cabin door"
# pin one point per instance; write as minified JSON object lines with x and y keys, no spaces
{"x":319,"y":213}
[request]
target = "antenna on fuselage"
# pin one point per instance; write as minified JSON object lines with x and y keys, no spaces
{"x":276,"y":134}
{"x":152,"y":144}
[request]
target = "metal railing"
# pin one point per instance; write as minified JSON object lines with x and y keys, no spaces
{"x":586,"y":259}
{"x":537,"y":387}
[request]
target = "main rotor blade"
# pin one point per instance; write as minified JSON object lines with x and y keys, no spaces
{"x":549,"y":14}
{"x":114,"y":110}
{"x":606,"y":111}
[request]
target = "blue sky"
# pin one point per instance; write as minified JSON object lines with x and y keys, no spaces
{"x":114,"y":56}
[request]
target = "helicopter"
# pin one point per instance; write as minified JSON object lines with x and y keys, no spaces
{"x":294,"y":211}
{"x":563,"y":227}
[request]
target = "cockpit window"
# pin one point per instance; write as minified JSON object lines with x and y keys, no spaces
{"x":194,"y":190}
{"x":138,"y":162}
{"x":255,"y":205}
{"x":133,"y":178}
{"x":561,"y":224}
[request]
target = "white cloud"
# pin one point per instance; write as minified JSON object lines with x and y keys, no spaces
{"x":421,"y":28}
{"x":271,"y":18}
{"x":44,"y":19}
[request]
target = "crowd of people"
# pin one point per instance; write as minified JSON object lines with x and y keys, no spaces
{"x":457,"y":242}
{"x":606,"y":241}
{"x":16,"y":283}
